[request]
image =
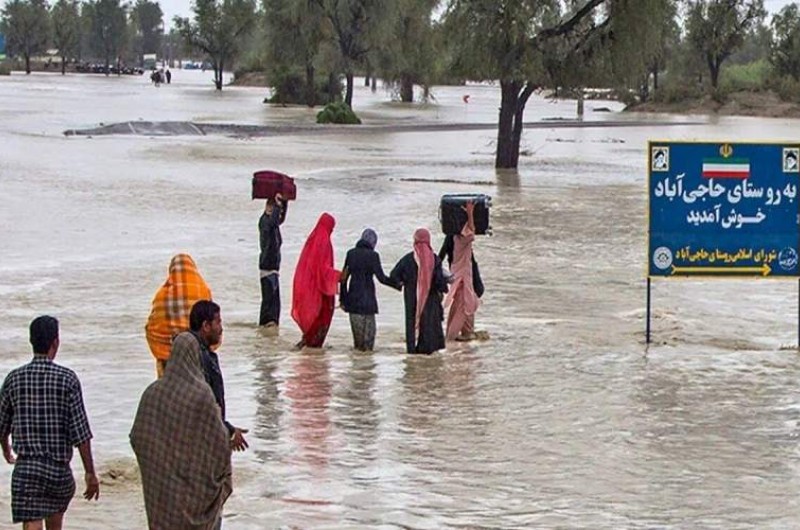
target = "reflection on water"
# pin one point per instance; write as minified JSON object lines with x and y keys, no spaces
{"x":360,"y":409}
{"x":309,"y":389}
{"x":562,"y":420}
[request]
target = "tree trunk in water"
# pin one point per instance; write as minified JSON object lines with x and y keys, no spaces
{"x":509,"y":130}
{"x":63,"y":65}
{"x":27,"y":64}
{"x":406,"y":89}
{"x":310,"y":86}
{"x":333,"y":82}
{"x":348,"y":97}
{"x":507,"y":153}
{"x":218,"y":75}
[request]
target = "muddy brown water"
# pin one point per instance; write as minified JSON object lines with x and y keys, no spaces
{"x":563,"y":419}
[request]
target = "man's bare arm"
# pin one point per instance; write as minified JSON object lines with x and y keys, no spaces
{"x":92,"y":484}
{"x":7,"y":454}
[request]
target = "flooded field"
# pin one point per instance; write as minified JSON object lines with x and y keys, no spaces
{"x":563,"y":419}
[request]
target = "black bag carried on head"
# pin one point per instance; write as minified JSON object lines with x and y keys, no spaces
{"x":453,"y":216}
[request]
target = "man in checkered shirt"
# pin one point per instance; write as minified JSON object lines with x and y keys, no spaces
{"x":41,"y":408}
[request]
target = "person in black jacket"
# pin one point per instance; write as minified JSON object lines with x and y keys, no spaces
{"x":269,"y":261}
{"x":422,"y":279}
{"x":357,"y":289}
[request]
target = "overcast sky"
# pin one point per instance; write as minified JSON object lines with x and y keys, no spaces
{"x":182,"y":8}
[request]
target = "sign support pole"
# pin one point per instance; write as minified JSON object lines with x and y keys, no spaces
{"x":647,"y":329}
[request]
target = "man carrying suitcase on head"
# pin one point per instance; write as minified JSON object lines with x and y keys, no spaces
{"x":270,"y":261}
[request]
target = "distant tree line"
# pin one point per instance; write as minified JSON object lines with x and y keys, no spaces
{"x":108,"y":31}
{"x":312,"y":50}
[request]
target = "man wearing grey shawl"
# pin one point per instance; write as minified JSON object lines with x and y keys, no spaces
{"x":182,"y":446}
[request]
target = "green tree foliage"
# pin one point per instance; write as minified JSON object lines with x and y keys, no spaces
{"x":294,"y":35}
{"x":644,"y":35}
{"x":26,"y":24}
{"x":756,"y":46}
{"x":148,"y":27}
{"x":66,"y":19}
{"x":108,"y":21}
{"x":408,"y":56}
{"x":218,"y":29}
{"x":717,"y":28}
{"x":356,"y":28}
{"x":785,"y":48}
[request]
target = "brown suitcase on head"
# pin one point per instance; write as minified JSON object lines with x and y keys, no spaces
{"x":266,"y":184}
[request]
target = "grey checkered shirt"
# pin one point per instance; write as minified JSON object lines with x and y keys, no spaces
{"x":41,"y":406}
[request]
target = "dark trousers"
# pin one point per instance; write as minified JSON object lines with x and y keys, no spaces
{"x":270,"y":300}
{"x":363,"y":328}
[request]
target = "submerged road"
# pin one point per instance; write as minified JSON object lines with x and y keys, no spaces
{"x":185,"y":128}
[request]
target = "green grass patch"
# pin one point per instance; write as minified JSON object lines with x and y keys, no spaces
{"x":751,"y":77}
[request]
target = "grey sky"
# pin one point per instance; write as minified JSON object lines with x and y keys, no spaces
{"x":183,"y":8}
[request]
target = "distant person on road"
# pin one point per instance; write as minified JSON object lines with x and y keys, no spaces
{"x":171,"y":306}
{"x":315,"y":283}
{"x":420,"y":275}
{"x":182,"y":446}
{"x":357,"y":289}
{"x":463,"y":298}
{"x":168,"y":75}
{"x":269,"y":261}
{"x":41,"y":408}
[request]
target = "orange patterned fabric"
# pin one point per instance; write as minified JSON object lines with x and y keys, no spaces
{"x":172,"y":304}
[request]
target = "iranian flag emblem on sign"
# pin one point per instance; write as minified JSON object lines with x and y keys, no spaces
{"x":734,"y":168}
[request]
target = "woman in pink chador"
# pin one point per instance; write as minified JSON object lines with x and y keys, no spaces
{"x":462,"y":302}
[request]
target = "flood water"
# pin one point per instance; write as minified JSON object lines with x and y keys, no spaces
{"x":562,"y":419}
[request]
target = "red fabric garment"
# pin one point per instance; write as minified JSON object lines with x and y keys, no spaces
{"x":423,"y":255}
{"x":315,"y":281}
{"x":315,"y":336}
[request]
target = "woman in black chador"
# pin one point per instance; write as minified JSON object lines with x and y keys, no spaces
{"x":423,"y":282}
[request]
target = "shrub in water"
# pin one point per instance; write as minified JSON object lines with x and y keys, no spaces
{"x":338,"y":112}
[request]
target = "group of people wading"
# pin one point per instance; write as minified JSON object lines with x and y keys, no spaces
{"x":427,"y":288}
{"x":181,"y":437}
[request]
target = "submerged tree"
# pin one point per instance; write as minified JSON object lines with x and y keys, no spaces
{"x":218,"y":29}
{"x":527,"y":44}
{"x":66,"y":19}
{"x":644,"y":35}
{"x":717,"y":28}
{"x":408,"y":56}
{"x":356,"y":27}
{"x":27,"y":28}
{"x":504,"y":39}
{"x":294,"y":36}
